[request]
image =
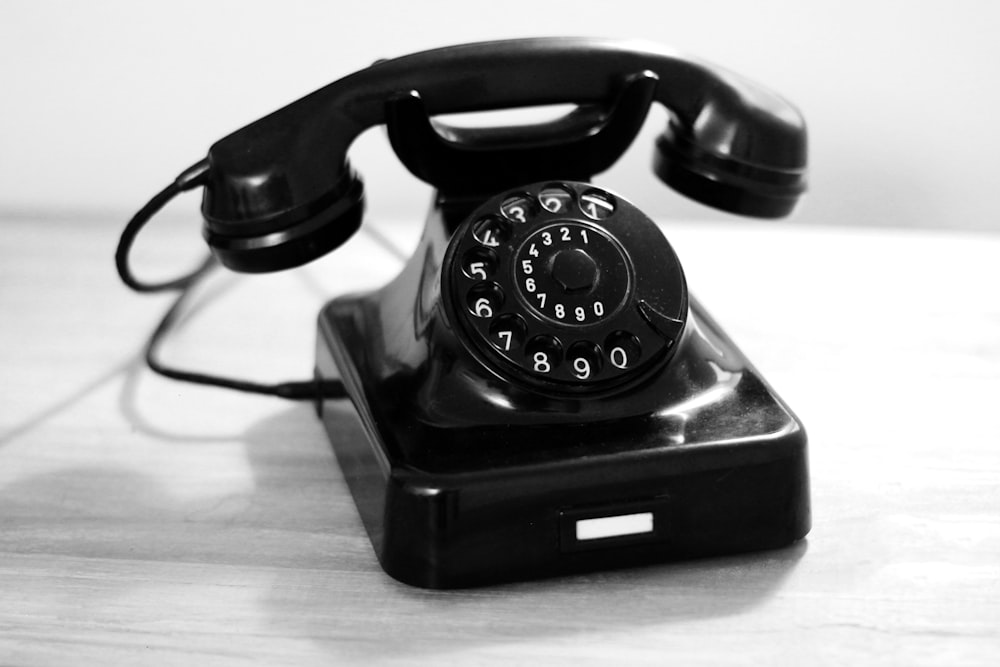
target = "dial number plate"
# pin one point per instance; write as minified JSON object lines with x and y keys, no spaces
{"x":572,"y":273}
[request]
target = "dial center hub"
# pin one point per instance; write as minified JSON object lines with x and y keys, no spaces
{"x":574,"y":270}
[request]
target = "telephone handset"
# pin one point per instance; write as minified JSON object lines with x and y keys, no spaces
{"x":536,"y":392}
{"x":280,"y":192}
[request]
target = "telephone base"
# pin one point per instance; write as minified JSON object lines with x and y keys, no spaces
{"x":461,"y":489}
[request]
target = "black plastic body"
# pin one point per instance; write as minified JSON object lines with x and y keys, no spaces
{"x":463,"y":478}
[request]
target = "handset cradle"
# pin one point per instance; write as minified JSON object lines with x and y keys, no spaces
{"x":477,"y":163}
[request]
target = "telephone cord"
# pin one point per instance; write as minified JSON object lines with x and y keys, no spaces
{"x":311,"y":390}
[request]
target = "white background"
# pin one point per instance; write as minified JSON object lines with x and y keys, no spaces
{"x":104,"y":102}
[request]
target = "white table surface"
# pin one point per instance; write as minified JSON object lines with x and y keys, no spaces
{"x":144,"y":521}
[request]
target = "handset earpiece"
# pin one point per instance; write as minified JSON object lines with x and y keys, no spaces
{"x":742,"y":150}
{"x":280,"y":192}
{"x":254,"y":224}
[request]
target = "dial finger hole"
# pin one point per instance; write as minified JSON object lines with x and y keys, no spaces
{"x":484,"y":300}
{"x":479,"y":263}
{"x":507,"y":332}
{"x":518,"y":208}
{"x":597,"y":205}
{"x":584,"y":359}
{"x":543,"y":354}
{"x":491,"y":231}
{"x":555,"y":199}
{"x":623,"y":349}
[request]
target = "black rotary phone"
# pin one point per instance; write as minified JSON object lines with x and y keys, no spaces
{"x":536,"y":392}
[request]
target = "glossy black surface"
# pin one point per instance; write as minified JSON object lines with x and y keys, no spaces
{"x":464,"y":476}
{"x":285,"y":180}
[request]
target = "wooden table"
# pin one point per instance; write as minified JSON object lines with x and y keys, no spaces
{"x":144,"y":521}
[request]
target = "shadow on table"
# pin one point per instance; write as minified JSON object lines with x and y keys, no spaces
{"x":301,"y":520}
{"x":296,"y":523}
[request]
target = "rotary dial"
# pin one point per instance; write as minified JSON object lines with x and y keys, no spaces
{"x":566,"y":285}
